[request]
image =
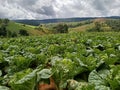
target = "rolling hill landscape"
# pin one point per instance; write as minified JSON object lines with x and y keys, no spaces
{"x":32,"y":30}
{"x":42,"y":27}
{"x":45,"y":21}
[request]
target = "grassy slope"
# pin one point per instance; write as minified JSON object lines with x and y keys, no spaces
{"x":85,"y":27}
{"x":12,"y":26}
{"x":15,"y":27}
{"x":81,"y":28}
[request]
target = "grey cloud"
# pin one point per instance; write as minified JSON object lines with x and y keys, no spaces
{"x":46,"y":10}
{"x":23,"y":3}
{"x":43,"y":9}
{"x":28,"y":2}
{"x":104,"y":6}
{"x":100,"y":5}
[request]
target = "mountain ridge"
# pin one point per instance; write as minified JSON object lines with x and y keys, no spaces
{"x":57,"y":20}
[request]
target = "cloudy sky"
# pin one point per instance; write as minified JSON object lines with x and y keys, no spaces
{"x":47,"y":9}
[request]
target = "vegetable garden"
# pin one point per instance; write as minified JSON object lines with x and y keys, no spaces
{"x":76,"y":61}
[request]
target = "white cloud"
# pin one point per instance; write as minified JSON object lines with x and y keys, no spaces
{"x":43,"y":9}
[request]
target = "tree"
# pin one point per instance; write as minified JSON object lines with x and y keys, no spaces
{"x":114,"y":24}
{"x":3,"y":31}
{"x":23,"y":32}
{"x":14,"y":34}
{"x":6,"y":21}
{"x":97,"y":26}
{"x":40,"y":28}
{"x":65,"y":28}
{"x":0,"y":21}
{"x":9,"y":33}
{"x":61,"y":28}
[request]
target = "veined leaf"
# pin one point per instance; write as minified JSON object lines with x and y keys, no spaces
{"x":25,"y":80}
{"x":4,"y":88}
{"x":100,"y":79}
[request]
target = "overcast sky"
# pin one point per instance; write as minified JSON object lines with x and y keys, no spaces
{"x":46,"y":9}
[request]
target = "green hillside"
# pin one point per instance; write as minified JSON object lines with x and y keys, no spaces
{"x":13,"y":27}
{"x":17,"y":26}
{"x":32,"y":30}
{"x":98,"y":25}
{"x":82,"y":28}
{"x":94,"y":25}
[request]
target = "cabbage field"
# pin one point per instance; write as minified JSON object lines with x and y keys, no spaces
{"x":76,"y":61}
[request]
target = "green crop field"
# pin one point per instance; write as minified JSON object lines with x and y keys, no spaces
{"x":78,"y":61}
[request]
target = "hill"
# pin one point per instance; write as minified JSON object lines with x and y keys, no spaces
{"x":14,"y":27}
{"x":99,"y":25}
{"x":93,"y":25}
{"x":90,"y":25}
{"x":46,"y":21}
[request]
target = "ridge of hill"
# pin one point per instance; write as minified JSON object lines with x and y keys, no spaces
{"x":14,"y":27}
{"x":90,"y":25}
{"x":45,"y":21}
